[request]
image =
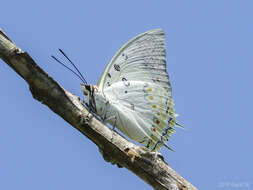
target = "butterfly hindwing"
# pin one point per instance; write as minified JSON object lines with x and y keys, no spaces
{"x":145,"y":110}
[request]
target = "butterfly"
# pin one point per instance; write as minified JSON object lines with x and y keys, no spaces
{"x":134,"y":92}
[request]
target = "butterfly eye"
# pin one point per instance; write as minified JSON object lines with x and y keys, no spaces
{"x":87,"y":87}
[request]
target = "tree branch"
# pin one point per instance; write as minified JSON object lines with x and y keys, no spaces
{"x":145,"y":164}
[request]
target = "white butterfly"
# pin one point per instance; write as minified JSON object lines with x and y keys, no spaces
{"x":134,"y":92}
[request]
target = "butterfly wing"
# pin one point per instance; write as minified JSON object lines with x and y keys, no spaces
{"x":144,"y":111}
{"x":142,"y":59}
{"x":137,"y":85}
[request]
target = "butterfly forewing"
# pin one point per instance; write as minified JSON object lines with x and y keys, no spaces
{"x":142,"y":58}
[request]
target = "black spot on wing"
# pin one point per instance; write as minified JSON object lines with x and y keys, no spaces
{"x":126,"y":83}
{"x":116,"y":67}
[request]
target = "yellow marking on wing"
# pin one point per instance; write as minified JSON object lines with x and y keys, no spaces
{"x":172,"y":122}
{"x":151,"y":97}
{"x":164,"y":116}
{"x":171,"y":111}
{"x":170,"y":103}
{"x":149,"y":89}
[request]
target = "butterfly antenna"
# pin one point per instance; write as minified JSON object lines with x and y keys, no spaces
{"x":73,"y":65}
{"x":68,"y":69}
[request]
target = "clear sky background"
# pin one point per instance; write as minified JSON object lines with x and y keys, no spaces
{"x":209,"y":60}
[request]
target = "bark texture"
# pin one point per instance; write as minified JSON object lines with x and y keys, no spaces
{"x":147,"y":165}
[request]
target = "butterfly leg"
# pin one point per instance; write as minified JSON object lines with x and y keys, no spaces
{"x":157,"y":154}
{"x":104,"y":118}
{"x":114,"y":119}
{"x":111,"y":118}
{"x":85,"y":103}
{"x":113,"y":127}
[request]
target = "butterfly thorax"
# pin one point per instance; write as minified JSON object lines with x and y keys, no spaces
{"x":96,"y":98}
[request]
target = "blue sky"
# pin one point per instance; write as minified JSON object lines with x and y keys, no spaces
{"x":209,"y":60}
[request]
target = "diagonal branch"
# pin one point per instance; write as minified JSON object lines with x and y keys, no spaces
{"x":148,"y":166}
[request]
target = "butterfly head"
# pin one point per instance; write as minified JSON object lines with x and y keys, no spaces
{"x":90,"y":92}
{"x":86,"y":88}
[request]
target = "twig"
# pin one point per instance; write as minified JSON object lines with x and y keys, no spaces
{"x":145,"y":164}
